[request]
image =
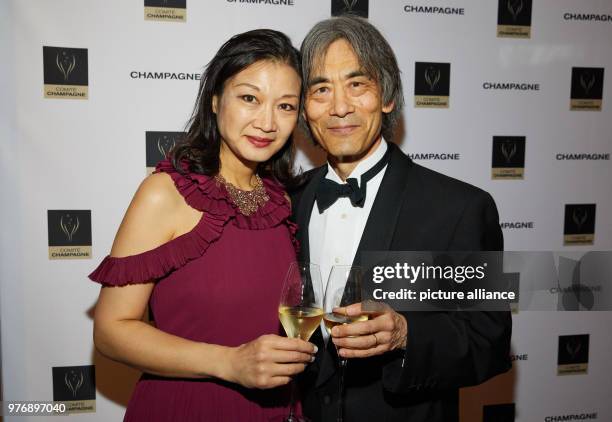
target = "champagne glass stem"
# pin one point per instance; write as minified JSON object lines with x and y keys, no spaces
{"x":291,"y":417}
{"x":340,"y":417}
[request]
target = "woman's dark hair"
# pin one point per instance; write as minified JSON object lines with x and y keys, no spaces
{"x":201,"y":145}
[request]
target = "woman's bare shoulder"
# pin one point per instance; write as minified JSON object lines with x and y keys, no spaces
{"x":151,"y":219}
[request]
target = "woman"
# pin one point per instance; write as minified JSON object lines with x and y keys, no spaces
{"x":206,"y":243}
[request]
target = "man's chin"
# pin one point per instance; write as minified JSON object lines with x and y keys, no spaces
{"x":348,"y":153}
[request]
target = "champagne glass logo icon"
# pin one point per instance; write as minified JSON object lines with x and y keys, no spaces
{"x":165,"y":144}
{"x":74,"y":381}
{"x":572,"y":347}
{"x":69,"y":225}
{"x":432,"y":77}
{"x":579,"y":216}
{"x":514,"y":8}
{"x":348,"y":5}
{"x":508,"y":150}
{"x":587,"y":80}
{"x":65,"y":63}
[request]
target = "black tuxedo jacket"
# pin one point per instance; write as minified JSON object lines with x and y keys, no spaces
{"x":421,"y":210}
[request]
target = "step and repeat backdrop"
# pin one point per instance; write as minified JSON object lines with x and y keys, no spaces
{"x":513,"y":96}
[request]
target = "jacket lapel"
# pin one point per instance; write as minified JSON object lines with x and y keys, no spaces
{"x":302,"y":209}
{"x":378,"y":232}
{"x":380,"y":226}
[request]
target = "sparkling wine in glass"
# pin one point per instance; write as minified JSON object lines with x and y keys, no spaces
{"x":300,"y":310}
{"x":343,"y":289}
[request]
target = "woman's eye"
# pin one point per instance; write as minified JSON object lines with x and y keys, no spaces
{"x":287,"y":107}
{"x":321,"y":90}
{"x":249,"y":98}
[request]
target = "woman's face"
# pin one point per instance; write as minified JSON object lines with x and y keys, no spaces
{"x":258,"y":110}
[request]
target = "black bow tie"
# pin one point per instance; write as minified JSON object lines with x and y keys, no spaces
{"x":329,"y":191}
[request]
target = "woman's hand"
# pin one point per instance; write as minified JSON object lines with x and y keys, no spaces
{"x":269,"y":361}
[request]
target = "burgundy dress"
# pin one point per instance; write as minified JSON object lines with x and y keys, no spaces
{"x":219,"y":283}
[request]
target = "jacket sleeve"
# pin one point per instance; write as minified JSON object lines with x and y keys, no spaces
{"x":449,"y":350}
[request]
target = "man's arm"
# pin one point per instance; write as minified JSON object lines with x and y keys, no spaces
{"x":447,"y":350}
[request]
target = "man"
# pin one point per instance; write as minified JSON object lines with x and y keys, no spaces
{"x":370,"y":196}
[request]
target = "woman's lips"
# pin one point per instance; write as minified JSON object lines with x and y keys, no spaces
{"x":343,"y":130}
{"x":259,"y":142}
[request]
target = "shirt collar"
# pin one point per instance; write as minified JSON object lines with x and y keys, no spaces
{"x":362,"y":166}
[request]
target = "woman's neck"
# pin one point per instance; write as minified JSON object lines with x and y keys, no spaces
{"x":240,"y":173}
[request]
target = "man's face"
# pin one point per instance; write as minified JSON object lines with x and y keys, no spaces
{"x":343,"y":104}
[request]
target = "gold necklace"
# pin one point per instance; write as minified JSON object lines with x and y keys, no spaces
{"x":247,"y":201}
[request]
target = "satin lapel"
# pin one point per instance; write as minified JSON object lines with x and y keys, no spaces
{"x":378,"y":232}
{"x":303,"y":210}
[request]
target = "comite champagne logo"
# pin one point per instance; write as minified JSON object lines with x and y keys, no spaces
{"x":498,"y":412}
{"x":579,"y":224}
{"x":158,"y":145}
{"x":75,"y":386}
{"x":508,"y":157}
{"x":65,"y":73}
{"x":587,"y":88}
{"x":69,"y":234}
{"x":573,"y":355}
{"x":165,"y":10}
{"x":514,"y":19}
{"x":354,"y":7}
{"x":431,"y":85}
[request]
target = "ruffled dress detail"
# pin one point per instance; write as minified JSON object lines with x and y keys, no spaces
{"x":205,"y":194}
{"x":219,"y":283}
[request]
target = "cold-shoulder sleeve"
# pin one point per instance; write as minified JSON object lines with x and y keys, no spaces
{"x":161,"y":261}
{"x":205,"y":194}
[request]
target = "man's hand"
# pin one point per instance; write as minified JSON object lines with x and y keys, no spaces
{"x":386,"y":330}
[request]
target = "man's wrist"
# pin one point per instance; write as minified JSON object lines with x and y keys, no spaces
{"x":403,"y":335}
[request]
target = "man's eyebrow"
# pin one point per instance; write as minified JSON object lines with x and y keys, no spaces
{"x":353,"y":74}
{"x":249,"y":85}
{"x":318,"y":80}
{"x":357,"y":74}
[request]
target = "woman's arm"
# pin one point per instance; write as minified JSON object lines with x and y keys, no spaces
{"x":156,"y":215}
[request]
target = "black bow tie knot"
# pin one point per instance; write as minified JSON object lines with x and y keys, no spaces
{"x":329,"y":191}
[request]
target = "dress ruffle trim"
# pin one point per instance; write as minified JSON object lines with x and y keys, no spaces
{"x":156,"y":263}
{"x":207,"y":195}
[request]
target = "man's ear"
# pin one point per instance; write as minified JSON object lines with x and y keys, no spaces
{"x":388,"y":108}
{"x":215,"y":100}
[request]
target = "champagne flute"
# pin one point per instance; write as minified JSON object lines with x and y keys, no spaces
{"x":343,"y":289}
{"x":300,"y":310}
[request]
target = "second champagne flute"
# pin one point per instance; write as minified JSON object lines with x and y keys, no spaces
{"x":300,"y":309}
{"x":343,"y":289}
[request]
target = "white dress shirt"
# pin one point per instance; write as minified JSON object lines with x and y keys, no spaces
{"x":335,"y":234}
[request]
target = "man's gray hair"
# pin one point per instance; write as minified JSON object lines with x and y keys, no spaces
{"x":373,"y":52}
